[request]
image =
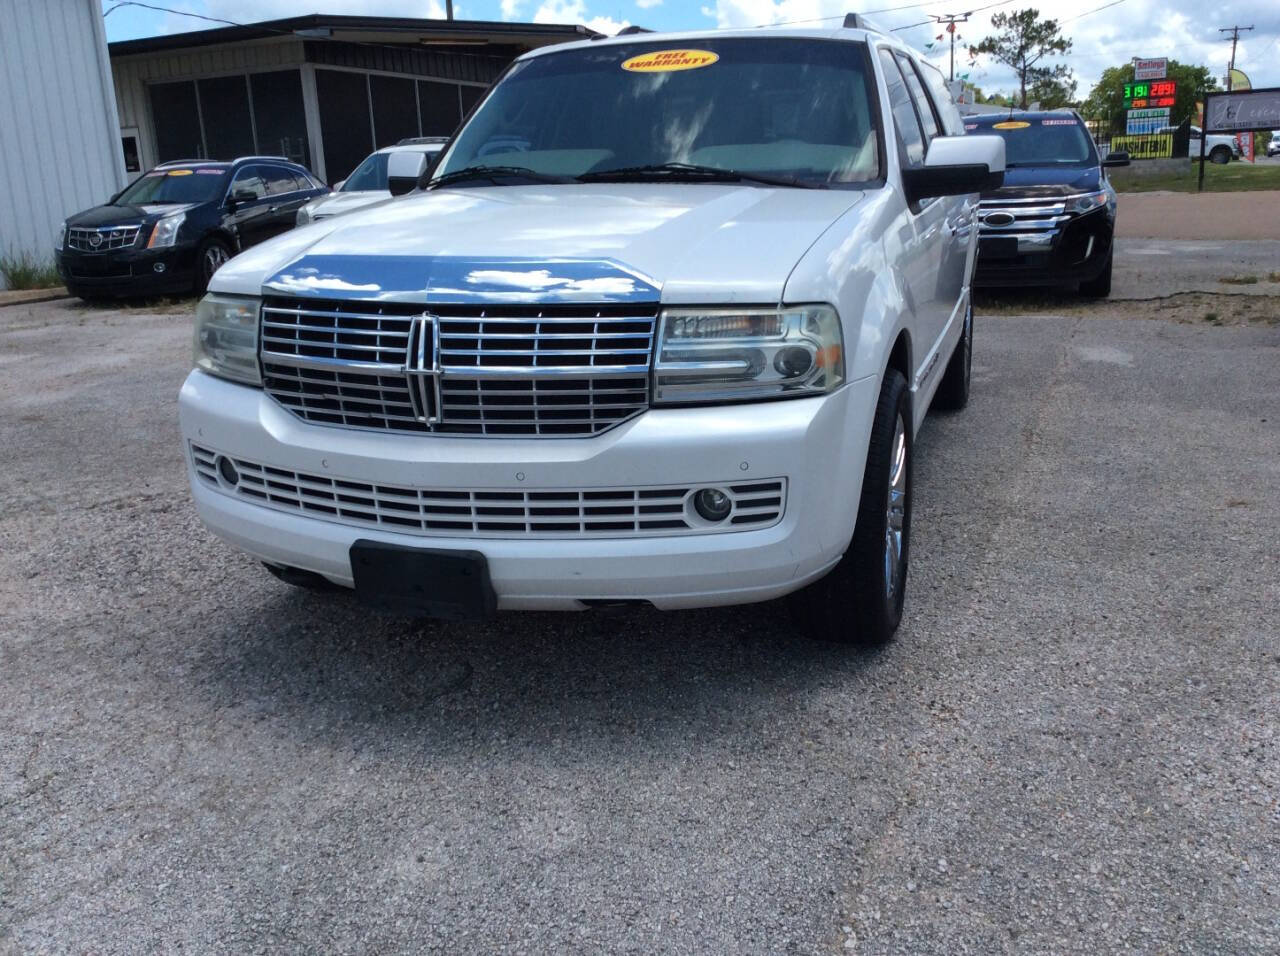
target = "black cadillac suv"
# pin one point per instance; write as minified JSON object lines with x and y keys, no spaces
{"x":171,"y":228}
{"x":1052,"y":221}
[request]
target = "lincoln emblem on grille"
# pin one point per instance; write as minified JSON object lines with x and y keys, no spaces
{"x":422,"y":367}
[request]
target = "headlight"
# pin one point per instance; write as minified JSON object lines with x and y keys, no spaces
{"x":165,"y":232}
{"x":737,"y":355}
{"x":1087,"y":202}
{"x":62,"y":235}
{"x":226,"y":338}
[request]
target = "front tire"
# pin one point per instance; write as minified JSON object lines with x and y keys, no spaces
{"x":1220,"y":155}
{"x":210,"y":257}
{"x":1099,"y":287}
{"x":860,"y":601}
{"x":953,"y":390}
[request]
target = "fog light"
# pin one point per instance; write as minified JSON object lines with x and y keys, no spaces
{"x":158,"y":267}
{"x":227,"y":471}
{"x":712,"y":504}
{"x":793,"y":361}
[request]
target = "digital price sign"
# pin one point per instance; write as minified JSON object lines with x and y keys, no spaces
{"x":1151,"y":94}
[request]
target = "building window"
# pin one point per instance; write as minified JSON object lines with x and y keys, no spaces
{"x":224,"y":111}
{"x":230,"y":116}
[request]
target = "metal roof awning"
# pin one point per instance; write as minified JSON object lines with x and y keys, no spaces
{"x":391,"y":30}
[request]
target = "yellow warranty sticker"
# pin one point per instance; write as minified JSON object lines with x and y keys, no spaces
{"x":1011,"y":124}
{"x":179,"y":172}
{"x":668,"y":61}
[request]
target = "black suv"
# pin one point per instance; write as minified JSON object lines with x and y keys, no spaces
{"x":172,"y":227}
{"x":1052,"y":221}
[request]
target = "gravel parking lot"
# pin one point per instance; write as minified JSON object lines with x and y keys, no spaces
{"x":1072,"y":746}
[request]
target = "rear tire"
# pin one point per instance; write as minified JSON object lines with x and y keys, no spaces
{"x":1220,"y":155}
{"x":1099,"y":287}
{"x":953,"y":390}
{"x":860,"y":601}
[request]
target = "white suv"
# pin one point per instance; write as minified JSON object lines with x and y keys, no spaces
{"x":661,"y":329}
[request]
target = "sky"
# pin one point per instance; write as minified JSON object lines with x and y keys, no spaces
{"x":1124,"y":29}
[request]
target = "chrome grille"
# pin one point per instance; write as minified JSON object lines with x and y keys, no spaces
{"x":495,"y":370}
{"x":1034,"y":223}
{"x":502,"y":513}
{"x":109,"y":238}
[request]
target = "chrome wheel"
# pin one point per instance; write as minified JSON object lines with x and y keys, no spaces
{"x":895,"y":509}
{"x":214,"y":258}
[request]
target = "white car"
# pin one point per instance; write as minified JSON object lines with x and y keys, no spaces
{"x":661,"y":330}
{"x":368,"y":183}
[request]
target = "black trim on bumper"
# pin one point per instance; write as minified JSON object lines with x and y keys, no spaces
{"x":1065,"y":262}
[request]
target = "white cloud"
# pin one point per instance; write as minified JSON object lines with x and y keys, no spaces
{"x":1173,"y":28}
{"x":510,"y":9}
{"x":646,"y":4}
{"x":575,"y":11}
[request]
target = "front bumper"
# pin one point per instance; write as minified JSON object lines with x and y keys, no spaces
{"x":818,"y":445}
{"x":1077,"y":252}
{"x":128,"y":272}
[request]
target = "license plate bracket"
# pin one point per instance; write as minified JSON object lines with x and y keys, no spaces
{"x":423,"y":582}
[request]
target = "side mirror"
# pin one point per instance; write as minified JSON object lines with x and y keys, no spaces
{"x":1116,"y":159}
{"x":337,"y":187}
{"x":957,"y":166}
{"x":404,"y":170}
{"x":241,"y":196}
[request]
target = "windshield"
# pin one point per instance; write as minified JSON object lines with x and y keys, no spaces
{"x":372,"y":173}
{"x":167,"y":186}
{"x":1051,"y":141}
{"x":794,"y":108}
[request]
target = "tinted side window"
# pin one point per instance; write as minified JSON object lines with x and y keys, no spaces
{"x":910,"y":136}
{"x":952,"y":124}
{"x":250,"y":178}
{"x":279,"y":180}
{"x":923,"y":106}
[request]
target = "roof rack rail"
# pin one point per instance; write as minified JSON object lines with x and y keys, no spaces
{"x":422,"y":140}
{"x":856,"y":21}
{"x":633,"y":28}
{"x":176,"y":162}
{"x":240,"y":159}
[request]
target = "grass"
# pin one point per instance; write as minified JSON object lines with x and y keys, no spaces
{"x":1239,"y":280}
{"x":25,"y":272}
{"x":1231,"y":178}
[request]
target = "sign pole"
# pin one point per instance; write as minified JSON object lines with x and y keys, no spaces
{"x":1204,"y":138}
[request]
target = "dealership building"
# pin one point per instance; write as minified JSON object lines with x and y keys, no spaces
{"x":83,"y":117}
{"x":322,"y":90}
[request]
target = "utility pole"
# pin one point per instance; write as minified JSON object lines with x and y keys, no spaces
{"x":951,"y":20}
{"x":1235,"y":38}
{"x":448,"y":9}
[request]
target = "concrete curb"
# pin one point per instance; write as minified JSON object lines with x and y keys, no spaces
{"x":27,"y":296}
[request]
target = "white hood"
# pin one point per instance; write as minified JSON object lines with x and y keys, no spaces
{"x":337,"y":204}
{"x":695,"y":242}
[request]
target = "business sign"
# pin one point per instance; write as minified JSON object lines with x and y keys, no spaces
{"x":1139,"y":122}
{"x":1156,"y":69}
{"x":1242,"y":111}
{"x":1144,"y":147}
{"x":1150,"y":95}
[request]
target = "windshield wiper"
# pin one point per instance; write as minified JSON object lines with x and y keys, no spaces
{"x":494,"y":173}
{"x":694,"y":171}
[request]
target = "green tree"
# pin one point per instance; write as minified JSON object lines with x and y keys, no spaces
{"x":1022,"y":43}
{"x":1105,"y":102}
{"x":1053,"y":93}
